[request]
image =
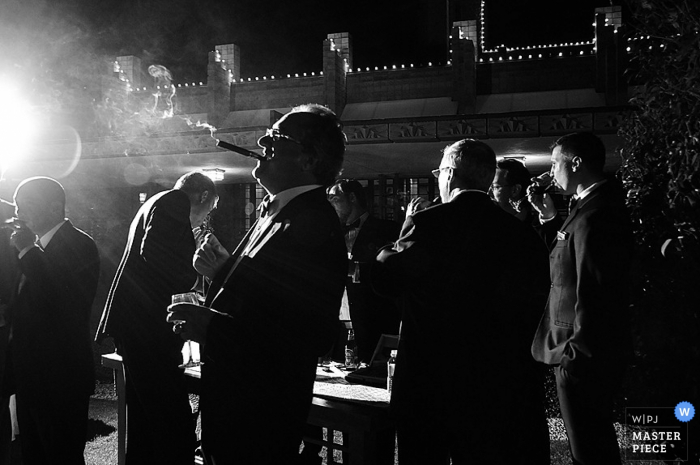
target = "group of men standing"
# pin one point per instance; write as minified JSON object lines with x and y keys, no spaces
{"x":467,"y":280}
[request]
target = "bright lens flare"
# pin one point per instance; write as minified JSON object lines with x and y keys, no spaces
{"x":16,"y":126}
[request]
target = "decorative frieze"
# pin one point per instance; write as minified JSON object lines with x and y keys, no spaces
{"x":361,"y":133}
{"x":462,"y":128}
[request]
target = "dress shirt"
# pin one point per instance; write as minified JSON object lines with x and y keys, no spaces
{"x":587,"y":191}
{"x":43,"y":240}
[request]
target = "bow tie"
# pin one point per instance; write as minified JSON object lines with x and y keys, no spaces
{"x":354,"y":225}
{"x":266,"y":206}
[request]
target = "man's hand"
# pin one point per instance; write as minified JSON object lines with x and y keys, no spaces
{"x":190,"y":321}
{"x":417,"y":204}
{"x":22,"y":237}
{"x":210,"y":257}
{"x":542,"y":203}
{"x":199,"y":235}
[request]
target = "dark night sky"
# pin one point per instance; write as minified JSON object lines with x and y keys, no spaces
{"x":276,"y":36}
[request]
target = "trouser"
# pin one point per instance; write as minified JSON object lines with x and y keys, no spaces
{"x":160,"y":426}
{"x":53,"y":432}
{"x":587,"y":409}
{"x":435,"y":437}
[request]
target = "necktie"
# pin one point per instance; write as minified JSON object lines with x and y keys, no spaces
{"x":354,"y":225}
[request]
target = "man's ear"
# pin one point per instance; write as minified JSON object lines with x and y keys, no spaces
{"x":575,"y":163}
{"x":517,"y":190}
{"x":203,"y":197}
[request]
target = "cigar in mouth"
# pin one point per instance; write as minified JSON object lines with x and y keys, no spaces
{"x":13,"y":223}
{"x":240,"y":150}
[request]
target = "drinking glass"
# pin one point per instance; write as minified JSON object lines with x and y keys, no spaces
{"x":189,"y":298}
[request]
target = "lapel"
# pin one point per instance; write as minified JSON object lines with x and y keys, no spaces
{"x":241,"y":245}
{"x":573,"y":214}
{"x":234,"y":259}
{"x":265,"y":235}
{"x":283,"y":219}
{"x":279,"y":224}
{"x":582,"y":204}
{"x":362,"y":234}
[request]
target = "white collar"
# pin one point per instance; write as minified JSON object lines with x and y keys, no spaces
{"x":587,"y":191}
{"x":46,"y":238}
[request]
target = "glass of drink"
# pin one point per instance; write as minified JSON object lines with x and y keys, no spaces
{"x":543,"y":184}
{"x":188,"y":298}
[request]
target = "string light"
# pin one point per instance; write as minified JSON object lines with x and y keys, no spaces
{"x":482,"y":20}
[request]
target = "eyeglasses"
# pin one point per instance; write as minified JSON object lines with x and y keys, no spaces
{"x":436,"y":172}
{"x":275,"y":135}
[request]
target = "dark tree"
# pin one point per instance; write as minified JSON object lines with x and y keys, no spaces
{"x":661,"y":172}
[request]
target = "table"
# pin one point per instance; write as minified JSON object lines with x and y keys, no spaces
{"x":360,"y":413}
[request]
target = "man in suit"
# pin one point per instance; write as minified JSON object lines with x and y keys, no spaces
{"x":584,"y":331}
{"x":157,"y":263}
{"x":274,"y":302}
{"x":509,"y":191}
{"x":466,"y":273}
{"x":50,"y":350}
{"x":372,"y":314}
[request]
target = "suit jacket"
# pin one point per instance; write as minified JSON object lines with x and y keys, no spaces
{"x":372,"y":314}
{"x":156,"y":264}
{"x":51,"y":347}
{"x":471,"y":278}
{"x":279,"y":310}
{"x":374,"y":234}
{"x":585,"y":323}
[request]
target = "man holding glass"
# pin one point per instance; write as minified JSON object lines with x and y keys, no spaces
{"x":157,"y":263}
{"x":585,"y":331}
{"x":272,"y":309}
{"x":466,"y":273}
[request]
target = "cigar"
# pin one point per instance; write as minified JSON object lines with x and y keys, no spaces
{"x":234,"y":148}
{"x":14,"y":223}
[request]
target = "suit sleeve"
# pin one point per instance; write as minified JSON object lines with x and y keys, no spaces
{"x":402,"y":261}
{"x":168,"y":244}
